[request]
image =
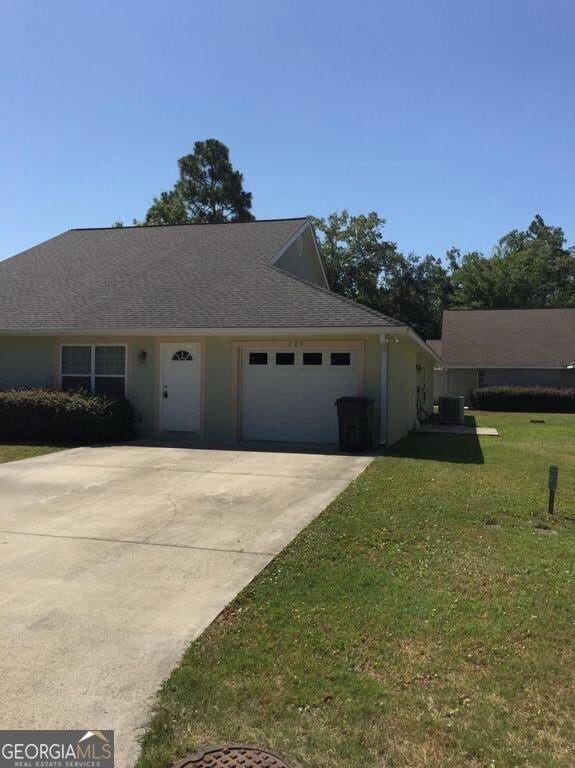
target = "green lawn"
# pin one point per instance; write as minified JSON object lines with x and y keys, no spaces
{"x":15,"y":451}
{"x":399,"y":629}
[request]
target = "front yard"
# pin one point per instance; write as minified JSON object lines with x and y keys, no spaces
{"x":16,"y":451}
{"x":421,"y":620}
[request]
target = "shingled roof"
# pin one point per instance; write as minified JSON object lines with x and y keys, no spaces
{"x":511,"y":338}
{"x":186,"y":276}
{"x":435,"y":345}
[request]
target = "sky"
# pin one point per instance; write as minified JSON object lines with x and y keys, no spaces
{"x":453,"y":119}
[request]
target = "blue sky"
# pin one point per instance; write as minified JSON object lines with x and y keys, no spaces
{"x":454,"y":119}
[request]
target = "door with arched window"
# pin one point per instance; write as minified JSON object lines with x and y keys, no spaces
{"x":180,"y":383}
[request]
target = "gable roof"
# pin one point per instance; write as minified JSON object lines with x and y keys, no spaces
{"x":510,"y":338}
{"x":168,"y":277}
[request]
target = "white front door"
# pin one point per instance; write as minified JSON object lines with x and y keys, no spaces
{"x":180,"y":387}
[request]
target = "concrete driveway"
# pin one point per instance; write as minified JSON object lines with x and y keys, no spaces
{"x":112,"y":559}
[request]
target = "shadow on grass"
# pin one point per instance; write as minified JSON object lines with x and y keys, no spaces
{"x":449,"y":447}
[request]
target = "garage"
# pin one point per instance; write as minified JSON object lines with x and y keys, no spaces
{"x":289,"y":394}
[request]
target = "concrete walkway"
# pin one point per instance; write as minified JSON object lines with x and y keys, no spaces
{"x":114,"y":558}
{"x":457,"y":429}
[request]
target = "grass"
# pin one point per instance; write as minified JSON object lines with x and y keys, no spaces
{"x":421,"y":620}
{"x":16,"y":451}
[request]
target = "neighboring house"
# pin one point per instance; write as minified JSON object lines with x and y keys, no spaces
{"x":226,"y":331}
{"x":504,"y":346}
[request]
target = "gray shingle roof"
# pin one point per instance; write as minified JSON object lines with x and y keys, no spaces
{"x":435,"y":345}
{"x":508,"y":338}
{"x":187,"y":276}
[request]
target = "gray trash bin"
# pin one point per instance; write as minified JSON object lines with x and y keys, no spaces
{"x":355,"y":417}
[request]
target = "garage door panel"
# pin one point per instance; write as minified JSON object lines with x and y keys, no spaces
{"x":295,"y":402}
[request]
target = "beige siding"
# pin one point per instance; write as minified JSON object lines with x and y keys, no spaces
{"x":403,"y":380}
{"x":439,"y":383}
{"x":401,"y":389}
{"x":461,"y":382}
{"x":26,"y":361}
{"x":302,"y":260}
{"x":220,"y":388}
{"x":426,"y":381}
{"x":142,"y":381}
{"x":373,"y":381}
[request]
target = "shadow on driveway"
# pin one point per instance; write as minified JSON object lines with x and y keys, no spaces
{"x":179,"y":441}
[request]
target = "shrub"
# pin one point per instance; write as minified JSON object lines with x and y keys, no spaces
{"x":53,"y":415}
{"x":526,"y":399}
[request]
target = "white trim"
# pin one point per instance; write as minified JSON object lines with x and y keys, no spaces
{"x":300,"y":233}
{"x":405,"y":330}
{"x":289,"y":242}
{"x":420,"y":343}
{"x":92,"y":374}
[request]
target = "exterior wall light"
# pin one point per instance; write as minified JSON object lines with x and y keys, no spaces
{"x":142,"y":356}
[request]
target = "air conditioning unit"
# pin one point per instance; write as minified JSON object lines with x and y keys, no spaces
{"x":451,"y":410}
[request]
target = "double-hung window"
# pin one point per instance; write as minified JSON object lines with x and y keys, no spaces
{"x":97,"y":368}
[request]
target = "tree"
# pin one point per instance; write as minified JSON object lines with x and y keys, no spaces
{"x":527,"y":269}
{"x":361,"y":265}
{"x":354,"y":253}
{"x":168,"y":208}
{"x":417,"y":293}
{"x":208,"y":190}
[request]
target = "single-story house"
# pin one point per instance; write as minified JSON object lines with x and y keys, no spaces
{"x":488,"y":347}
{"x":224,"y":331}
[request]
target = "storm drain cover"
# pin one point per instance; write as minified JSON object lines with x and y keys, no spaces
{"x":234,"y":756}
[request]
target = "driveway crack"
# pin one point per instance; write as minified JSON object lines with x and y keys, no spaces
{"x":138,"y":542}
{"x":162,"y":528}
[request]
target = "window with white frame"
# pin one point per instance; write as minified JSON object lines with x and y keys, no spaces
{"x":97,"y":368}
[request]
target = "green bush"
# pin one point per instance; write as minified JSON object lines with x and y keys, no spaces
{"x":52,"y":415}
{"x":525,"y":399}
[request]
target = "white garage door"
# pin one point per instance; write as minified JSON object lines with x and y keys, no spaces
{"x":290,"y":395}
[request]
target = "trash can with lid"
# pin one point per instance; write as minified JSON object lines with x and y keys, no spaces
{"x":355,"y":416}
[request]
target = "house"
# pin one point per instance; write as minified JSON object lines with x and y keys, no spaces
{"x":225,"y":331}
{"x":504,"y":346}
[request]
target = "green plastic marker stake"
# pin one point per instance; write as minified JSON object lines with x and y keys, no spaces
{"x":552,"y":485}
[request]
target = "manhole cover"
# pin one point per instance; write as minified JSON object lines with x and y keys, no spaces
{"x":234,"y":756}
